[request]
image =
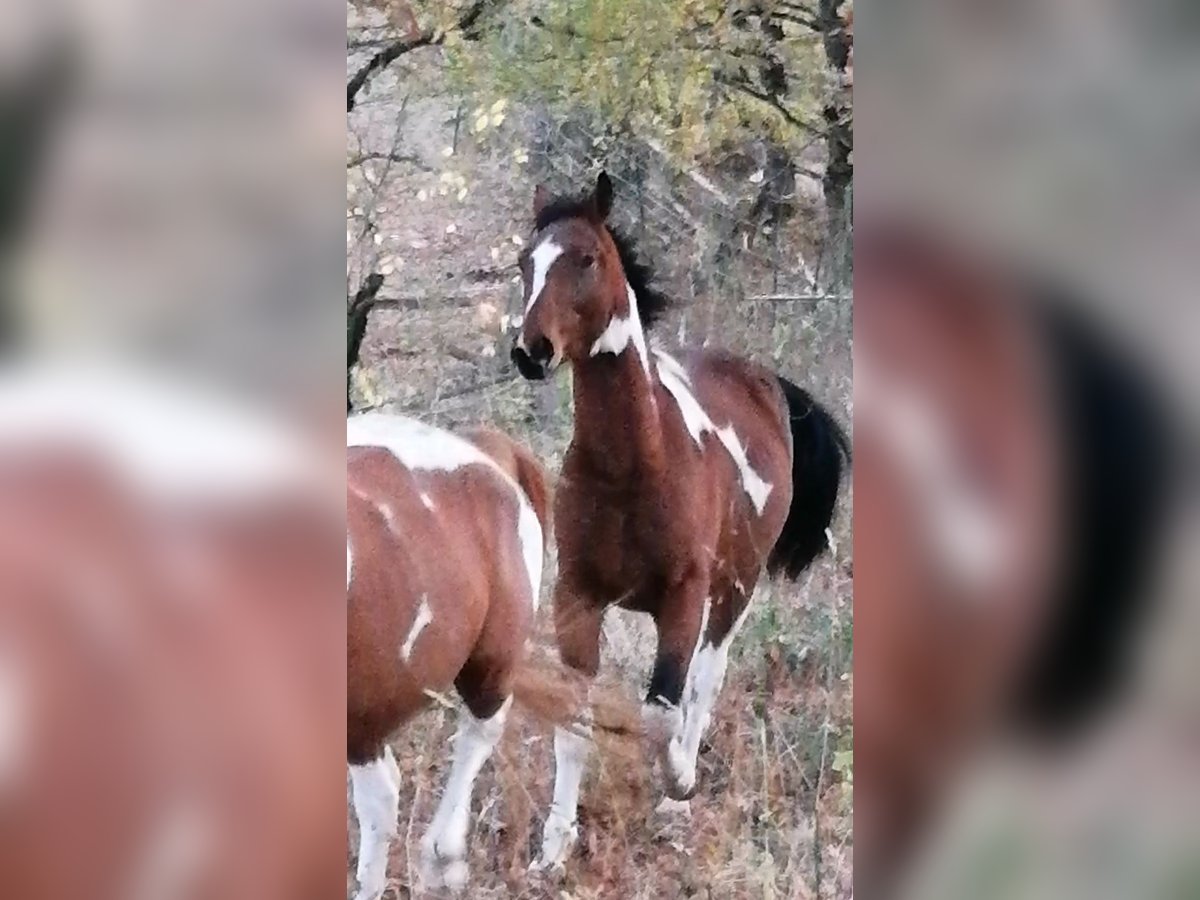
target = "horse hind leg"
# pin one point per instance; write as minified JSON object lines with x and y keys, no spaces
{"x":681,"y":726}
{"x":444,"y":847}
{"x":376,"y":791}
{"x":485,"y":685}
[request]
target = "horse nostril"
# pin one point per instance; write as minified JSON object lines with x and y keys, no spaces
{"x":526,"y":365}
{"x":542,"y":350}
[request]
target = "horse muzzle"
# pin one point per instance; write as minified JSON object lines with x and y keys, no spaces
{"x":538,"y":362}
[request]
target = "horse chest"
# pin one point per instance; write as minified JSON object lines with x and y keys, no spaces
{"x":619,"y":541}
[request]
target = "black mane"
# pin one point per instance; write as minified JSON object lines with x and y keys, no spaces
{"x":651,"y":302}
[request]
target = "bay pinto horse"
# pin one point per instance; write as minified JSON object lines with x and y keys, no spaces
{"x":171,"y":652}
{"x":683,"y":479}
{"x":1010,"y":476}
{"x":444,"y":556}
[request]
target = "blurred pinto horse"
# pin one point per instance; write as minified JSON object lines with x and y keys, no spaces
{"x":444,"y":554}
{"x":686,"y":475}
{"x":1010,"y":476}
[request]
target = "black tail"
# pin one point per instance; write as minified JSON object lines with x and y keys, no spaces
{"x":1121,"y":454}
{"x":820,"y":448}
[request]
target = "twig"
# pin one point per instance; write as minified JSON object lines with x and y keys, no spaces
{"x":361,"y":158}
{"x":396,"y":49}
{"x":796,"y":298}
{"x":788,"y":115}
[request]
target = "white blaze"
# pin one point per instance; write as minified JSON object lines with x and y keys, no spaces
{"x":543,"y":255}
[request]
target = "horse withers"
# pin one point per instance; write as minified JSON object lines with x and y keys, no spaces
{"x":686,"y":476}
{"x":443,"y":565}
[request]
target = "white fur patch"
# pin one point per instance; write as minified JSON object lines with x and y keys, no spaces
{"x":14,"y":719}
{"x":677,"y":382}
{"x":421,"y":447}
{"x":376,"y":791}
{"x":349,"y":563}
{"x":176,"y":852}
{"x":571,"y":750}
{"x":444,"y":847}
{"x":964,"y":528}
{"x":424,"y":617}
{"x":544,"y":256}
{"x":170,"y":438}
{"x":706,"y":674}
{"x":623,"y":331}
{"x":427,"y":501}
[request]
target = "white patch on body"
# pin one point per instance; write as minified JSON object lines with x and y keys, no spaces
{"x":571,"y":749}
{"x":424,"y":617}
{"x":679,"y":385}
{"x":177,"y":848}
{"x":964,"y":528}
{"x":171,"y":439}
{"x":623,"y":331}
{"x":349,"y":563}
{"x":14,"y":719}
{"x":444,"y":847}
{"x":376,"y":791}
{"x":427,"y":501}
{"x":421,"y":447}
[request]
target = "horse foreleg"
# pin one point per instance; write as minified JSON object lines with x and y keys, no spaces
{"x":683,"y":628}
{"x":577,"y":626}
{"x":444,"y":848}
{"x":376,"y":788}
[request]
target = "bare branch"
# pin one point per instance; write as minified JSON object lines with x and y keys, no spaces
{"x":750,"y":91}
{"x":360,"y":158}
{"x":396,"y":49}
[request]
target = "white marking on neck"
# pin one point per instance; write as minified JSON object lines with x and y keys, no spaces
{"x":678,"y":384}
{"x":543,"y":255}
{"x":424,"y":617}
{"x":623,"y":331}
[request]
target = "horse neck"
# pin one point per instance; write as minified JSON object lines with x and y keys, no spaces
{"x":617,"y":427}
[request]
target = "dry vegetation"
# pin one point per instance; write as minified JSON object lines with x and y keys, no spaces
{"x":772,"y":818}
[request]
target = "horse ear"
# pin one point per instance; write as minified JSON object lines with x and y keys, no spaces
{"x":603,"y":196}
{"x":541,"y":199}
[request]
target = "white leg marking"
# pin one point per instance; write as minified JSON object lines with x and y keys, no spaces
{"x":571,"y":750}
{"x":623,"y":331}
{"x":706,"y":674}
{"x":677,"y":382}
{"x":376,"y":788}
{"x":424,"y":617}
{"x":444,"y":848}
{"x":543,"y":255}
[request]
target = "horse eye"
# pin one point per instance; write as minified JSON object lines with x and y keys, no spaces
{"x":587,"y":260}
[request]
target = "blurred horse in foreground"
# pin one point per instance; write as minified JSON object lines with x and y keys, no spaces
{"x":171,"y":646}
{"x":1012,"y":468}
